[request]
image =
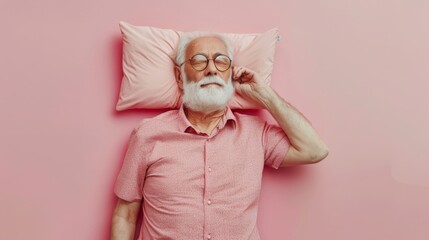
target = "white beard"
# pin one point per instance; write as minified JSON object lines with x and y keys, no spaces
{"x":209,"y":98}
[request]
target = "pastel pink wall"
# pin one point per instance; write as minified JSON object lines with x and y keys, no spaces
{"x":358,"y":69}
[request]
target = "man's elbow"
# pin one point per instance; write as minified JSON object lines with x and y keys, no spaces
{"x":319,"y":155}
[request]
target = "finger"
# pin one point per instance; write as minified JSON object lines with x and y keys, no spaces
{"x":236,"y":70}
{"x":238,"y":74}
{"x":241,"y":71}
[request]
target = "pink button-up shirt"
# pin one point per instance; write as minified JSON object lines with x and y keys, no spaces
{"x":196,"y":186}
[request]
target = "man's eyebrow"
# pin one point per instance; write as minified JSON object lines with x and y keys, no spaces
{"x":200,"y":53}
{"x":219,"y":53}
{"x":215,"y":55}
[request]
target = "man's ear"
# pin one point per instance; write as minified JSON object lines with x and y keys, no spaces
{"x":179,"y":79}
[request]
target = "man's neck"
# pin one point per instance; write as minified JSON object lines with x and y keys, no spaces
{"x":205,"y":121}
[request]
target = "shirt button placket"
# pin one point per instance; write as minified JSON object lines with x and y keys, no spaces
{"x":209,"y":169}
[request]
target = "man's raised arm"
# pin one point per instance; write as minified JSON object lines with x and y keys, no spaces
{"x":306,"y":145}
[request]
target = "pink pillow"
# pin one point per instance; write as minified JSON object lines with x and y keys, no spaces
{"x":148,"y":65}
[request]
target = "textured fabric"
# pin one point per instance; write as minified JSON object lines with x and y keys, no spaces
{"x":148,"y":65}
{"x":196,"y":186}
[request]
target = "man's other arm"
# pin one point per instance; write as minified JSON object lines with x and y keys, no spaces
{"x":124,"y":220}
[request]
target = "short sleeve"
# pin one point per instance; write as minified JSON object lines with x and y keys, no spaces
{"x":275,"y":143}
{"x":129,"y":183}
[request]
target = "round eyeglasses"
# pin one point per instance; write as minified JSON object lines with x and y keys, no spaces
{"x":200,"y":62}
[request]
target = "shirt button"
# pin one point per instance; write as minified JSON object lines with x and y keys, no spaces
{"x":209,"y":202}
{"x":210,"y":169}
{"x":208,"y":236}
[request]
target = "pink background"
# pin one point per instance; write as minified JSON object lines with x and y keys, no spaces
{"x":358,"y":69}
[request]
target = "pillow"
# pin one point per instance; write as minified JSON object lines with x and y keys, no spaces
{"x":149,"y":58}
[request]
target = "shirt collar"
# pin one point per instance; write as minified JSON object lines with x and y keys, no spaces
{"x":184,"y":123}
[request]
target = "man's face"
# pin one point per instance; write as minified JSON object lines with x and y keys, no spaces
{"x":210,"y":47}
{"x":210,"y":89}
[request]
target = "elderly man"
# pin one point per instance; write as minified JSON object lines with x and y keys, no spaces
{"x":196,"y":171}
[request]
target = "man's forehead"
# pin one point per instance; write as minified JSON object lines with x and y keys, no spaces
{"x":209,"y":44}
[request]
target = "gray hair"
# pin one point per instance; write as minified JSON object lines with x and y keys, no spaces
{"x":190,"y":36}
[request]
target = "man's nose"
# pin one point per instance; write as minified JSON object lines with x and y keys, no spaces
{"x":211,"y":69}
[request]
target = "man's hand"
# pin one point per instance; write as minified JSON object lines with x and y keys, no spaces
{"x":249,"y":84}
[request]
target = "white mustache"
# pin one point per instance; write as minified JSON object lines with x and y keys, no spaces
{"x":211,"y":79}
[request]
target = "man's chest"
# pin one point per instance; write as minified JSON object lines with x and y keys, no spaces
{"x":182,"y":167}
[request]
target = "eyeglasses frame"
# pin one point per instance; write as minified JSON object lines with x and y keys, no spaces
{"x":208,"y":61}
